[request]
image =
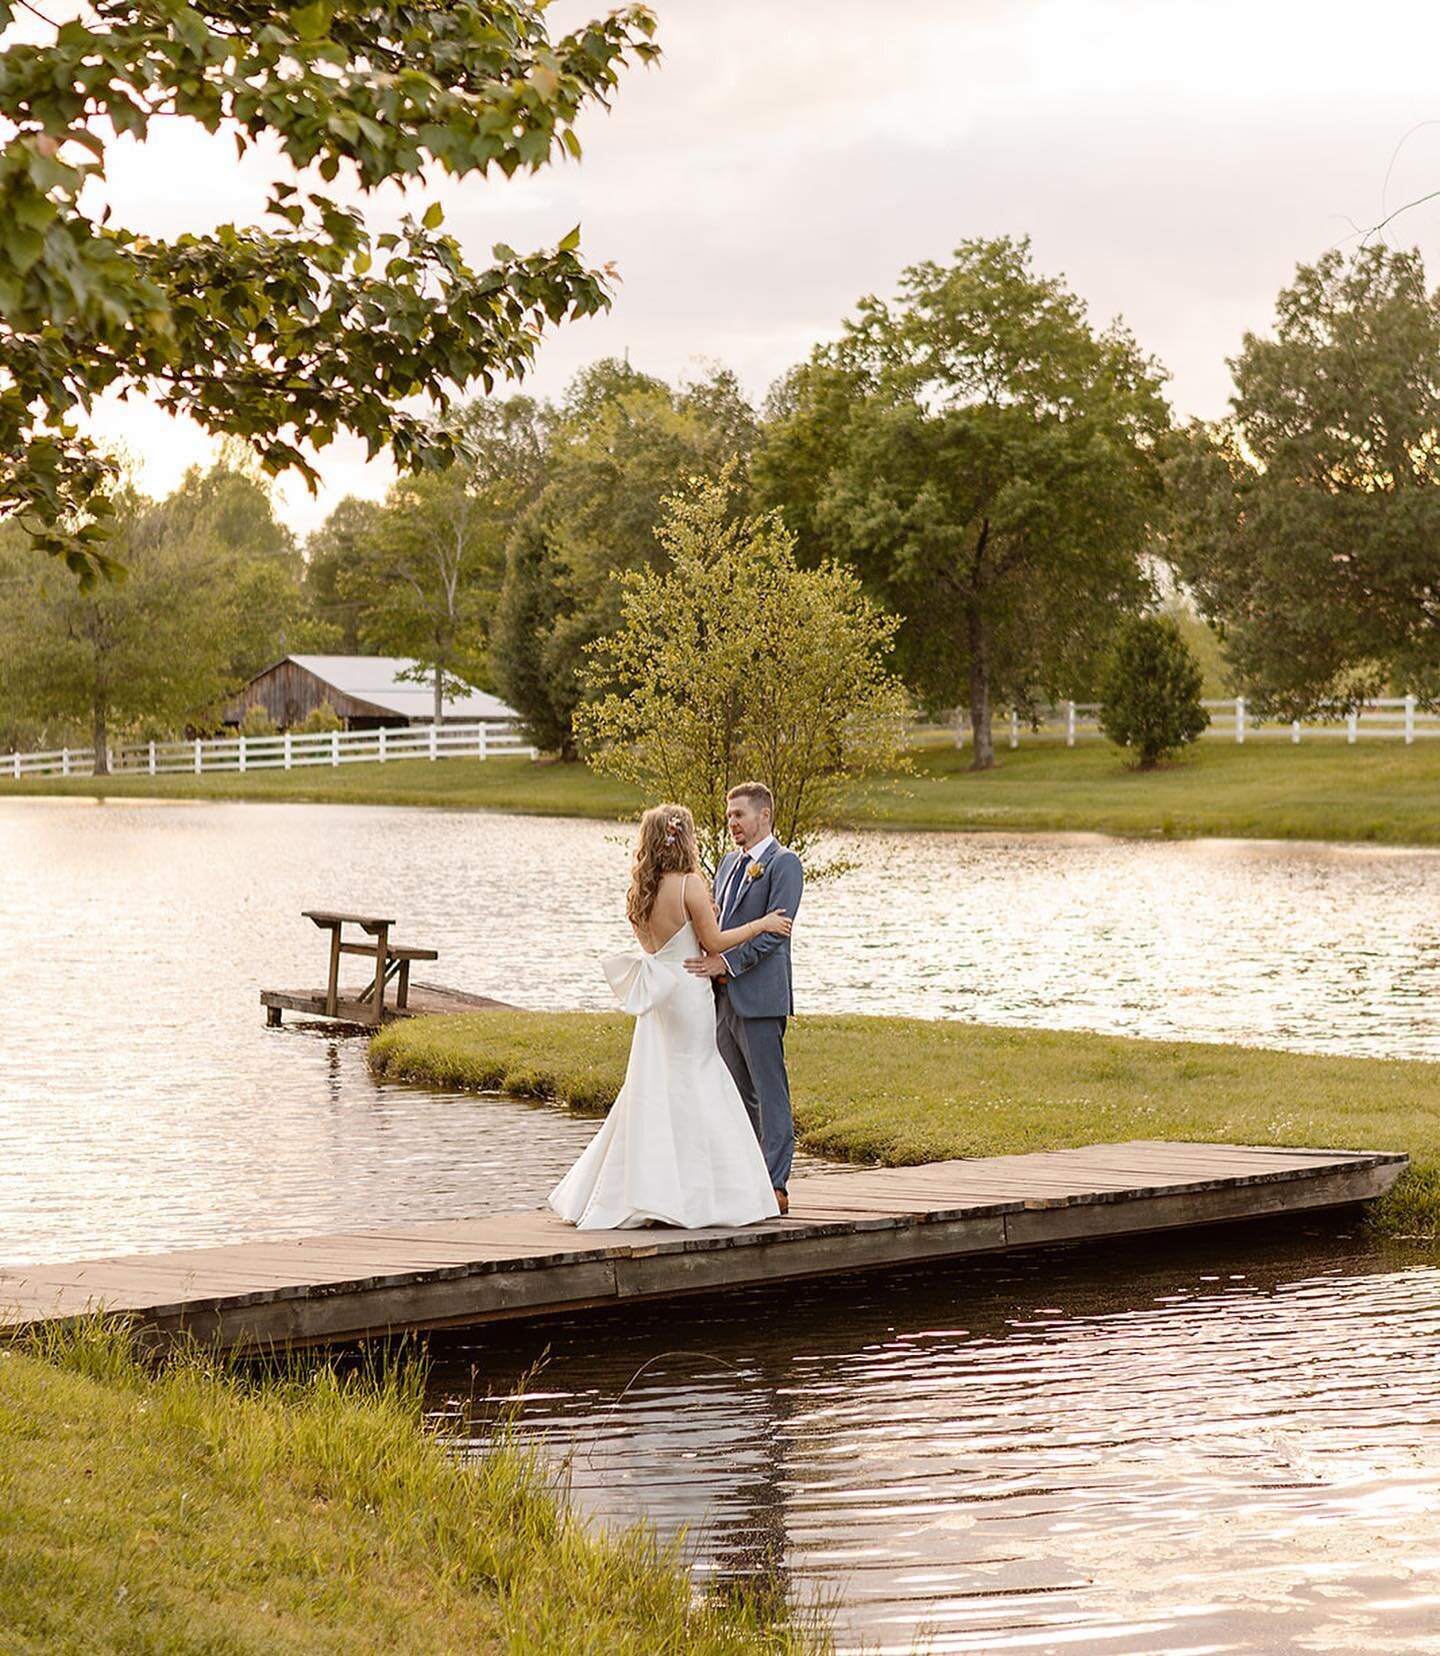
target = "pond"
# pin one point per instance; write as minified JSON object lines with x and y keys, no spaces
{"x":1224,"y":1444}
{"x":1227,"y":1442}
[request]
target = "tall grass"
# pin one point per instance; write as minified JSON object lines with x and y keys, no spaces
{"x":175,"y":1502}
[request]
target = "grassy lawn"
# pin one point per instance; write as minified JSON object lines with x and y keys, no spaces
{"x":542,"y":789}
{"x":1384,"y":792}
{"x":194,"y":1511}
{"x":1376,"y":790}
{"x":900,"y":1091}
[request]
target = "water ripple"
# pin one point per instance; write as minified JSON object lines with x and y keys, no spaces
{"x":1154,"y":1458}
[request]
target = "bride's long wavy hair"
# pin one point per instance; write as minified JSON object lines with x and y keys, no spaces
{"x":666,"y":845}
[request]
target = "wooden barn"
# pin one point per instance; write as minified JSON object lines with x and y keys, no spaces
{"x":364,"y":692}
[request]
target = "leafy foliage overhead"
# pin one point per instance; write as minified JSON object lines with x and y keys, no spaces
{"x":310,"y":324}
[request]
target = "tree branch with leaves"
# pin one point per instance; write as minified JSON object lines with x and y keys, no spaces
{"x":287,"y":334}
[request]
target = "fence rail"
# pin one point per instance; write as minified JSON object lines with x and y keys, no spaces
{"x":290,"y":751}
{"x":1395,"y":717}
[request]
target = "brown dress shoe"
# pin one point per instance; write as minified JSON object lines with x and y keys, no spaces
{"x":784,"y":1202}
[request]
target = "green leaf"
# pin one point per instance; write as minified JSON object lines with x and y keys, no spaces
{"x":310,"y":22}
{"x":434,"y":216}
{"x":570,"y":242}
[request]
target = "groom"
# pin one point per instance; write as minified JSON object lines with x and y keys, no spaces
{"x":753,"y":994}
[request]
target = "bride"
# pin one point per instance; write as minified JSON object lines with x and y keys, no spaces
{"x":677,"y":1147}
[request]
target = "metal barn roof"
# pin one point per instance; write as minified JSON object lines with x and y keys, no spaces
{"x":375,"y":679}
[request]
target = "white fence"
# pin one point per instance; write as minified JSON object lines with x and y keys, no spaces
{"x":1396,"y":717}
{"x":287,"y":752}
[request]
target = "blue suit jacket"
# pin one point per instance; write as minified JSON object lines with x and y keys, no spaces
{"x":760,"y":982}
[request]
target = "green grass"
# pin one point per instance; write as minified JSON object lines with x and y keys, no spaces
{"x":191,"y":1509}
{"x":544,"y":789}
{"x":1377,"y":790}
{"x":900,"y":1091}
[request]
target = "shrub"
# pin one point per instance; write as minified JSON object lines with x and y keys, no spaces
{"x":319,"y":719}
{"x":257,"y":721}
{"x":1150,"y":692}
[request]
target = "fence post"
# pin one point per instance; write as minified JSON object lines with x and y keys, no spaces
{"x":287,"y":750}
{"x":64,"y":762}
{"x":382,"y":744}
{"x":1409,"y":720}
{"x":152,"y":758}
{"x":432,"y":741}
{"x":1239,"y":718}
{"x":1295,"y":731}
{"x":1014,"y":728}
{"x":1352,"y":726}
{"x":242,"y":750}
{"x":482,"y":740}
{"x":334,"y":748}
{"x":17,"y":767}
{"x":197,"y":756}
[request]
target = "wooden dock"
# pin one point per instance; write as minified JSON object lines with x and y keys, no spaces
{"x":402,"y":1276}
{"x":424,"y":1000}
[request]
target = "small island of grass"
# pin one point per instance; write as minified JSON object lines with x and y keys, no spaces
{"x":900,"y":1091}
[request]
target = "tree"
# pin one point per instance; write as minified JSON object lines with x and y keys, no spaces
{"x":618,"y":446}
{"x":333,"y":553}
{"x":227,"y":512}
{"x":148,"y":651}
{"x":989,"y":463}
{"x":212,"y":595}
{"x":426,"y":570}
{"x":533,"y":650}
{"x":1308,"y":522}
{"x":308,"y":325}
{"x":1150,"y":692}
{"x":426,"y":580}
{"x":733,"y":662}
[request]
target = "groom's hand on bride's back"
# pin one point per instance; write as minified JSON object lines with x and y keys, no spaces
{"x":707,"y":965}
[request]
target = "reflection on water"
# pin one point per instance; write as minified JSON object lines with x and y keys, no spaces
{"x":1230,"y":1443}
{"x":144,"y":1105}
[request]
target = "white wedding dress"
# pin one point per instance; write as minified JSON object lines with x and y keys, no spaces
{"x":677,"y":1147}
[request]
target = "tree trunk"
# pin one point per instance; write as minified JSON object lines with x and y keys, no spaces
{"x":101,"y":740}
{"x":439,"y":692}
{"x":984,"y":746}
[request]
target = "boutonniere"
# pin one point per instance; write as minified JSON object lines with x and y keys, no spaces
{"x":754,"y":871}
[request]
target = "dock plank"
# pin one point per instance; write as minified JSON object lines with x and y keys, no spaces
{"x":443,"y":1273}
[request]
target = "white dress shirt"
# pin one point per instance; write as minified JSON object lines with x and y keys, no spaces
{"x":737,"y":879}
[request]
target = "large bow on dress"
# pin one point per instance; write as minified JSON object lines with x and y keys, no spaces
{"x":639,"y":981}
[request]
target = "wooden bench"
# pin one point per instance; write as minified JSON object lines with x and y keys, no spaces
{"x":392,"y":960}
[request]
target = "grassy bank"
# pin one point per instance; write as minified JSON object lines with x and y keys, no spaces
{"x":901,"y":1091}
{"x":542,"y":789}
{"x":191,"y":1511}
{"x":1375,"y":791}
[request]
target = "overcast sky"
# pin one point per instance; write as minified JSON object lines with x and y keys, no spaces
{"x":1173,"y":159}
